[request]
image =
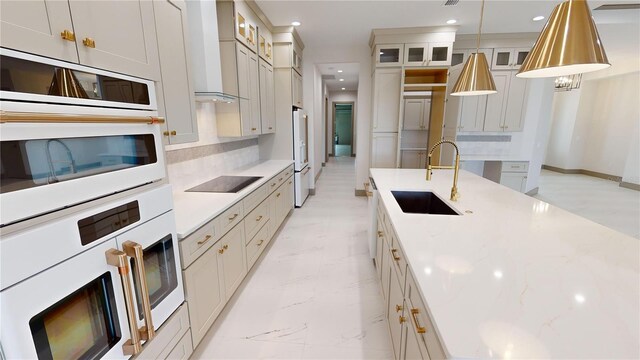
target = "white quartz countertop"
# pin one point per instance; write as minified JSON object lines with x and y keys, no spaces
{"x":195,"y":209}
{"x":517,"y":277}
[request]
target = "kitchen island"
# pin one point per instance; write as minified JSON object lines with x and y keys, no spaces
{"x":509,"y":277}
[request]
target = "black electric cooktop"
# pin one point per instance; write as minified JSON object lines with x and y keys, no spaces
{"x":226,"y":184}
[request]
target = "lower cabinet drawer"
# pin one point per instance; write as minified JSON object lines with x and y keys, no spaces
{"x":515,"y":166}
{"x":183,"y":350}
{"x":256,"y":197}
{"x":256,"y":219}
{"x":421,"y":324}
{"x":198,"y":242}
{"x":230,"y":218}
{"x":168,"y":336}
{"x":257,"y":244}
{"x":397,"y":257}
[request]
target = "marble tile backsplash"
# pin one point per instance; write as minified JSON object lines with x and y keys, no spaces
{"x":192,"y":166}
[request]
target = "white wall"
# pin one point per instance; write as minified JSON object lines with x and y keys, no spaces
{"x":564,"y":112}
{"x":359,"y":54}
{"x":631,"y":172}
{"x":342,"y":96}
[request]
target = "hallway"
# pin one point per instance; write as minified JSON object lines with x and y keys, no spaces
{"x":314,"y":294}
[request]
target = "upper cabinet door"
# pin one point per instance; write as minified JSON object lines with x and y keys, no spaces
{"x":37,"y":27}
{"x":519,"y":55}
{"x":439,"y":54}
{"x":415,"y":54}
{"x":267,"y":101}
{"x":245,"y":25}
{"x":502,"y":59}
{"x":254,"y":93}
{"x":119,"y":38}
{"x":386,"y":105}
{"x":389,"y":55}
{"x":177,"y":88}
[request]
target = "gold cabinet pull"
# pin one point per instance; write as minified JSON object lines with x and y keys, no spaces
{"x":278,"y":195}
{"x":135,"y":251}
{"x":289,"y":182}
{"x":89,"y":42}
{"x":68,"y":35}
{"x":414,"y":314}
{"x":402,"y":319}
{"x":253,"y":129}
{"x":280,"y":179}
{"x":395,"y":257}
{"x":221,"y":250}
{"x":165,"y":133}
{"x":259,"y":218}
{"x":225,"y":247}
{"x":174,"y":133}
{"x":398,"y":308}
{"x":118,"y":259}
{"x":204,"y":241}
{"x":270,"y":128}
{"x":260,"y":242}
{"x":380,"y":233}
{"x":231,"y":218}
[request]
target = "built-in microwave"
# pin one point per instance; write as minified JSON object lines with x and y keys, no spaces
{"x":71,"y":134}
{"x":93,"y":284}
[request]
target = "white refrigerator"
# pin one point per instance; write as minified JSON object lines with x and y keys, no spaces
{"x":301,"y":157}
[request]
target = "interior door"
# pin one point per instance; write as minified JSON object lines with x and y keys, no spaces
{"x":36,"y":26}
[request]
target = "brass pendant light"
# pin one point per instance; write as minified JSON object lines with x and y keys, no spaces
{"x":568,"y":44}
{"x":475,"y":79}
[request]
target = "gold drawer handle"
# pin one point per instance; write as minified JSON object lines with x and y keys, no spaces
{"x":259,"y":218}
{"x":206,"y":238}
{"x":253,"y":129}
{"x":221,"y":250}
{"x":231,"y":218}
{"x":135,"y":251}
{"x":278,"y":195}
{"x":395,"y":257}
{"x":270,"y":128}
{"x":419,"y":329}
{"x":89,"y":42}
{"x":380,"y":233}
{"x":68,"y":35}
{"x":273,"y":184}
{"x":280,"y":179}
{"x":402,"y":319}
{"x":398,"y":308}
{"x":289,"y":182}
{"x":260,"y":242}
{"x":225,"y":247}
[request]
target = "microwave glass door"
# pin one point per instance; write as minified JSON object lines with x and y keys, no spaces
{"x":83,"y":325}
{"x":36,"y":162}
{"x":160,"y":270}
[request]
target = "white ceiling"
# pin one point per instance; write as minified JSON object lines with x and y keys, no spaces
{"x":332,"y":25}
{"x":350,"y":73}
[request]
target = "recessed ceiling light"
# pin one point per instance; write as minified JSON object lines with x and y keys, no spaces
{"x":339,"y":71}
{"x":538,"y":18}
{"x":343,"y":88}
{"x":295,"y":23}
{"x":341,"y":79}
{"x":452,"y":21}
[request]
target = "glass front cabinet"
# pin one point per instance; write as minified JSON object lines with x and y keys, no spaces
{"x":509,"y":58}
{"x":389,"y":54}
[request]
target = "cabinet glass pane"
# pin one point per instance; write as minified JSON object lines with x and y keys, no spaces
{"x":457,"y":58}
{"x":262,"y":45}
{"x":440,"y":53}
{"x":241,"y":25}
{"x":390,"y":55}
{"x":416,"y":54}
{"x":503,"y":58}
{"x":521,"y":56}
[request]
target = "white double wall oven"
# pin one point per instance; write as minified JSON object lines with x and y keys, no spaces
{"x":89,"y":262}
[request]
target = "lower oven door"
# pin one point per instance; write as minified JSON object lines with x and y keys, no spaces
{"x":76,"y":309}
{"x":156,"y":243}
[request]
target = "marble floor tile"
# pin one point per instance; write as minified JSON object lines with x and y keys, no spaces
{"x":598,"y":200}
{"x":314,"y":294}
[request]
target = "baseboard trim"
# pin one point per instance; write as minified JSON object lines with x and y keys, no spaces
{"x":361,"y":193}
{"x":317,"y":176}
{"x":532,"y":191}
{"x":312,"y":192}
{"x":584,"y":172}
{"x":324,"y":164}
{"x":629,"y":185}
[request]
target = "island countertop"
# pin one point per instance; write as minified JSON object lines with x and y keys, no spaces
{"x":515,"y":277}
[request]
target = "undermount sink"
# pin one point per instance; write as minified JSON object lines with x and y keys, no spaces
{"x":422,"y":202}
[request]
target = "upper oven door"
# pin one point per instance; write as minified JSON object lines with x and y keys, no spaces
{"x":158,"y":282}
{"x":74,"y":310}
{"x":50,"y":166}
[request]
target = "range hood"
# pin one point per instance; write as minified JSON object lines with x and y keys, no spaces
{"x":205,"y":52}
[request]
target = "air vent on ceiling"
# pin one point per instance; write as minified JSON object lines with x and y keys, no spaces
{"x":450,"y":3}
{"x":618,"y":7}
{"x":328,"y":77}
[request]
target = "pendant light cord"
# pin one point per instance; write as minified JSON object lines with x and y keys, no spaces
{"x":480,"y":27}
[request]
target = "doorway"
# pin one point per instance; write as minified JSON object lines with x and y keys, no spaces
{"x":343,"y":129}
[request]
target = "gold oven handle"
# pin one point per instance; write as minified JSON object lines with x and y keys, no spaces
{"x":134,"y":250}
{"x":118,"y":259}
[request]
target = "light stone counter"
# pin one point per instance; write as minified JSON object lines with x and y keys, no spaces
{"x":517,"y":277}
{"x":195,"y":209}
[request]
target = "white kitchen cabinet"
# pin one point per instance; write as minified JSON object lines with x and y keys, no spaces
{"x":416,"y":54}
{"x":231,"y":251}
{"x":254,"y":95}
{"x":36,"y":27}
{"x":509,"y":58}
{"x":472,"y":112}
{"x":439,"y":54}
{"x":384,"y":148}
{"x":460,"y":56}
{"x":413,"y":159}
{"x":505,"y":110}
{"x":386,"y":100}
{"x":246,"y":29}
{"x":395,"y":314}
{"x":175,"y":90}
{"x":265,"y":42}
{"x":204,"y":292}
{"x":416,"y":114}
{"x":90,"y":37}
{"x":297,"y":89}
{"x":410,"y":343}
{"x":389,"y":54}
{"x":267,"y":98}
{"x":513,"y":174}
{"x":296,"y":60}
